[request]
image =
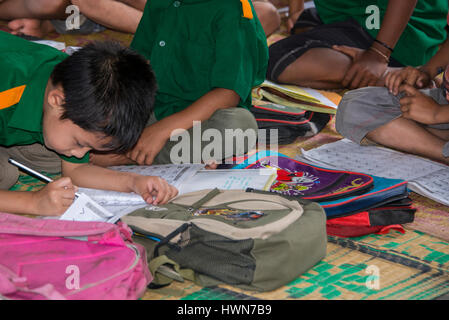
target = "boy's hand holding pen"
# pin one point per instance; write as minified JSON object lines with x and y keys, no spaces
{"x":55,"y":198}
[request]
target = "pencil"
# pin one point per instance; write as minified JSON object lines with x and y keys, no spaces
{"x":32,"y":172}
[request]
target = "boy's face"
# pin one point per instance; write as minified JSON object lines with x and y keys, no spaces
{"x":65,"y":137}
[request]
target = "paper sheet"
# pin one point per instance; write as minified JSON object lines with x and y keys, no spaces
{"x":174,"y":174}
{"x":230,"y":179}
{"x":85,"y":209}
{"x":426,"y":177}
{"x":187,"y":178}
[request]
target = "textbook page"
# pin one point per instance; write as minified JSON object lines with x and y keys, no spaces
{"x":319,"y":102}
{"x":175,"y":174}
{"x":425,"y":177}
{"x":185,"y":180}
{"x":228,"y":179}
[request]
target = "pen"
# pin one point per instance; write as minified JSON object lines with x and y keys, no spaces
{"x":32,"y":172}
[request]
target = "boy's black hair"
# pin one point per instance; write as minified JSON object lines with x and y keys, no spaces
{"x":108,"y":89}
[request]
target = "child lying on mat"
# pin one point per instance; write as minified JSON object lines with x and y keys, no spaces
{"x":99,"y":98}
{"x":403,"y":116}
{"x":207,"y":56}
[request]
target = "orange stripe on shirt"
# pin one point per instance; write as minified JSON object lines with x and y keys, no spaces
{"x":246,"y":8}
{"x":11,"y":97}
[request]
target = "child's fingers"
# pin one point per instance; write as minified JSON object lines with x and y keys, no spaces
{"x":357,"y":79}
{"x":412,"y":77}
{"x":422,"y":81}
{"x":408,"y":89}
{"x":396,"y":83}
{"x":405,"y":101}
{"x":64,"y":182}
{"x":349,"y":76}
{"x":66,"y":202}
{"x":161,"y":189}
{"x":349,"y":51}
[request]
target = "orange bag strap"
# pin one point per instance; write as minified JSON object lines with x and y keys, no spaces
{"x":11,"y":97}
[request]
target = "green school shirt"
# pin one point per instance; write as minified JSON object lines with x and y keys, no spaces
{"x":420,"y":39}
{"x":25,"y":63}
{"x":195,"y":46}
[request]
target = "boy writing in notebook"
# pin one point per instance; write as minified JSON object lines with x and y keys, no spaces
{"x":408,"y":115}
{"x":207,"y":56}
{"x":54,"y":109}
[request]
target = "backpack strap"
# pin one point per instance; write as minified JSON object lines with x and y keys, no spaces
{"x":165,"y":270}
{"x":209,"y":196}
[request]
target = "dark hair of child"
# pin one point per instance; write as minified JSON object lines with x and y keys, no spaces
{"x":108,"y":89}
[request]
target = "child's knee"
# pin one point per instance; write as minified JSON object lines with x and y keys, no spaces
{"x":268,"y":16}
{"x":236,"y":118}
{"x":362,"y":110}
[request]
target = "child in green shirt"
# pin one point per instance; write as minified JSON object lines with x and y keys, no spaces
{"x":97,"y":99}
{"x":207,"y":56}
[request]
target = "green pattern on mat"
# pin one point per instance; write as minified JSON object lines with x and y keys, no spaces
{"x":411,"y":266}
{"x":28,"y":183}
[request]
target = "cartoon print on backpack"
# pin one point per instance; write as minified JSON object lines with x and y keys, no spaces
{"x":230,"y":214}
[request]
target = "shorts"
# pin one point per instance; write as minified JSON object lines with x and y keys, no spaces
{"x":366,"y":109}
{"x":349,"y":33}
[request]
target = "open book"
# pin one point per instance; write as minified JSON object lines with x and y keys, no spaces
{"x":186,"y":178}
{"x":300,"y":97}
{"x":425,"y":177}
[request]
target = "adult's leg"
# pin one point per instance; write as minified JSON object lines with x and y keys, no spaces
{"x":30,"y":16}
{"x":320,"y":68}
{"x":307,"y":58}
{"x":110,"y":13}
{"x":34,"y":9}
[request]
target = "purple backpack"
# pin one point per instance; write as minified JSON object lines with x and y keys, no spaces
{"x":56,"y":259}
{"x":298,"y":179}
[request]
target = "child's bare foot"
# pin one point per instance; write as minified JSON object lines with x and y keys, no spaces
{"x":106,"y":160}
{"x":30,"y":27}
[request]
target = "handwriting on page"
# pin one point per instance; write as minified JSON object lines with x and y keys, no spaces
{"x":430,"y":178}
{"x":85,"y":209}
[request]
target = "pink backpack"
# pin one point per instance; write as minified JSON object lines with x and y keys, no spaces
{"x":56,"y":259}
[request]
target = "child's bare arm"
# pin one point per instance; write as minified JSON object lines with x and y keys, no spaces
{"x":438,"y":61}
{"x":370,"y":65}
{"x":52,"y":200}
{"x":296,"y":7}
{"x":419,"y":77}
{"x":155,"y":136}
{"x":90,"y":176}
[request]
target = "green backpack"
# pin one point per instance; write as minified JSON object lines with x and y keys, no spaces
{"x":253,"y":240}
